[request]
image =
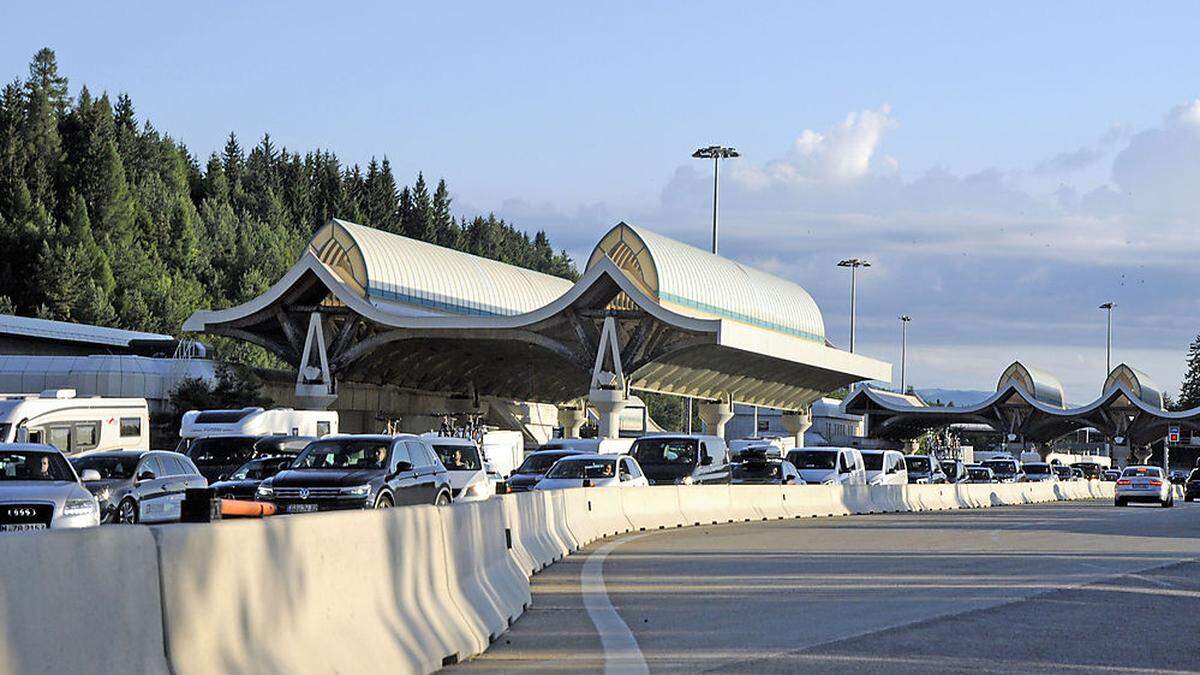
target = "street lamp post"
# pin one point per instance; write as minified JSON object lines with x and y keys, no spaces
{"x":904,"y":319}
{"x":716,"y":153}
{"x":1108,"y":306}
{"x":853,"y":264}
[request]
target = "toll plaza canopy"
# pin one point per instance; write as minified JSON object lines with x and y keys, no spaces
{"x":392,"y":310}
{"x":1028,"y":405}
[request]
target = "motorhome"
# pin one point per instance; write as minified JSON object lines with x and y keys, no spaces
{"x":219,"y":441}
{"x":257,"y":422}
{"x":75,"y":425}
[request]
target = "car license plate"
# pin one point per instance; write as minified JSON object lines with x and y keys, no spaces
{"x":1140,"y":484}
{"x":301,"y":508}
{"x":22,"y":527}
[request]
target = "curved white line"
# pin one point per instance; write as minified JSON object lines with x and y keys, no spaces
{"x":621,"y":651}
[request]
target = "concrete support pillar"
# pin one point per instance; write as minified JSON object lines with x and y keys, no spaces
{"x":608,"y":404}
{"x":796,"y":422}
{"x":571,"y":419}
{"x":715,"y":414}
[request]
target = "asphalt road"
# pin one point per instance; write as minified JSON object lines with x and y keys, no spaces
{"x":1051,"y":588}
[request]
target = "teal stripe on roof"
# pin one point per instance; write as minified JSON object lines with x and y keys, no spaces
{"x":441,"y":305}
{"x":742,"y":318}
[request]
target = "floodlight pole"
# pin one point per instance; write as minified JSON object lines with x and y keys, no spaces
{"x":1108,"y":306}
{"x":904,"y":319}
{"x":716,"y":153}
{"x":853,"y":264}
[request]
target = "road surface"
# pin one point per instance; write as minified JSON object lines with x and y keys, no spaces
{"x":1076,"y":586}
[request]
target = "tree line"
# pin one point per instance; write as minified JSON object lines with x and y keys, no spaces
{"x":104,"y":219}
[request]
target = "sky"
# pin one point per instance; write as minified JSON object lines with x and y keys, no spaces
{"x":1006,"y":167}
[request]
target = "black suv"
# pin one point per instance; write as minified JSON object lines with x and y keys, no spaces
{"x":682,"y":459}
{"x":359,"y":472}
{"x":217,"y":456}
{"x":1191,"y":489}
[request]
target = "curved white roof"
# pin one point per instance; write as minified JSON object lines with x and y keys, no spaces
{"x":389,"y":268}
{"x":701,"y":284}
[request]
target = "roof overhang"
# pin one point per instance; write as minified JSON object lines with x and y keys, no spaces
{"x":542,"y":355}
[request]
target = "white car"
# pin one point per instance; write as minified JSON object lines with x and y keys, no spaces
{"x":40,"y":490}
{"x":829,"y":466}
{"x":593,"y":471}
{"x":1037,"y":472}
{"x":885,"y":467}
{"x":1144,"y":484}
{"x":469,"y":480}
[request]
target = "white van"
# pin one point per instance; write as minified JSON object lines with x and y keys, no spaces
{"x":600,"y":446}
{"x":256,"y":422}
{"x":75,"y":425}
{"x":829,"y":466}
{"x":885,"y":467}
{"x":503,"y":451}
{"x":468,"y":473}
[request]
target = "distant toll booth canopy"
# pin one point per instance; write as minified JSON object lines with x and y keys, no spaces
{"x":649,"y":313}
{"x":1029,"y":407}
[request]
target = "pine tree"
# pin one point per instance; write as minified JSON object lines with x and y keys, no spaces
{"x":419,"y":224}
{"x":445,"y":230}
{"x":1189,"y":390}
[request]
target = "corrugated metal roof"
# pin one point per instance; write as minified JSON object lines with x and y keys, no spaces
{"x":699,"y":283}
{"x":1036,"y":382}
{"x":64,"y":331}
{"x":441,"y":280}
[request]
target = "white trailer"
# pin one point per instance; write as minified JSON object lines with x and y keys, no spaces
{"x":503,"y":451}
{"x":257,"y":422}
{"x":75,"y":425}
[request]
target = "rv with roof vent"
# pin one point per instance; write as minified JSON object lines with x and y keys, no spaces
{"x":75,"y":425}
{"x":219,"y":441}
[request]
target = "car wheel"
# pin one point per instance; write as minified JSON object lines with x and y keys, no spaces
{"x":1188,"y":499}
{"x":443,"y":499}
{"x":1168,"y":503}
{"x":1119,"y":502}
{"x":384,"y":502}
{"x":127,"y":512}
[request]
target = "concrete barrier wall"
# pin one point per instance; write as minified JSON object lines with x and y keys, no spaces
{"x":80,"y":602}
{"x":406,"y":590}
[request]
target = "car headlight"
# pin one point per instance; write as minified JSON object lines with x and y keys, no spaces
{"x":356,"y":491}
{"x":79,"y":507}
{"x":265,"y":491}
{"x":686,"y":480}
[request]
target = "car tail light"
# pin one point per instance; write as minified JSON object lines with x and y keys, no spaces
{"x":1156,"y":483}
{"x":1124,"y":481}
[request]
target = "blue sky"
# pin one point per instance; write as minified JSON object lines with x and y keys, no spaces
{"x":1007,"y":167}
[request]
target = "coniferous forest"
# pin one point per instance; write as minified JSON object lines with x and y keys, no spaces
{"x":106,"y":219}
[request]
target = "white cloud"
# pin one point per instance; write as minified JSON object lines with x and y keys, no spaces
{"x":990,"y":269}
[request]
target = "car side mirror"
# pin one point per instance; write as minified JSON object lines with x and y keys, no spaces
{"x":145,"y":475}
{"x":89,"y":475}
{"x":223,"y":476}
{"x":402,"y":466}
{"x":705,"y":460}
{"x":626,"y":476}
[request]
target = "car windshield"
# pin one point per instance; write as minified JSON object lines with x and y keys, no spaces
{"x":109,"y":468}
{"x":813,"y":459}
{"x":1143,"y":471}
{"x":873,"y":461}
{"x":949,"y":467}
{"x":343,"y":454}
{"x":757,"y":470}
{"x":539,"y":463}
{"x":1003,"y":466}
{"x":221,"y":450}
{"x":664,"y":451}
{"x":977,"y":473}
{"x":583,"y":467}
{"x":918,"y":464}
{"x":459,"y":457}
{"x":1037,"y":468}
{"x":261,"y":468}
{"x":34,"y":465}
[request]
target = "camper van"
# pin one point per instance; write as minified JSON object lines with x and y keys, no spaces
{"x":219,"y":441}
{"x":75,"y":425}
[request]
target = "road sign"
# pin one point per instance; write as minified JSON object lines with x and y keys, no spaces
{"x":1172,"y":434}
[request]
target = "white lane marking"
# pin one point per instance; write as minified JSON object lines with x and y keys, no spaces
{"x":621,"y":651}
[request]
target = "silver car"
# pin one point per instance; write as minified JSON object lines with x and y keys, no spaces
{"x":39,"y":490}
{"x":1144,"y":484}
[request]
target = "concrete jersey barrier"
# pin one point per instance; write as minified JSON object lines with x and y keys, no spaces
{"x":408,"y":589}
{"x":80,"y":601}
